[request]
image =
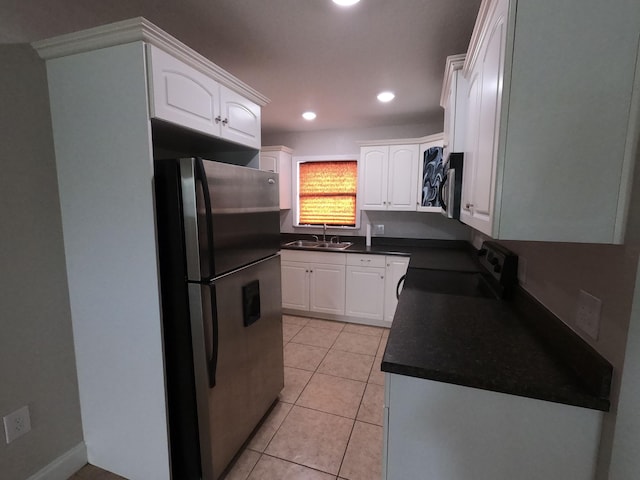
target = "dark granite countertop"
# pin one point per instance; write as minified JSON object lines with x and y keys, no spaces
{"x":434,"y":254}
{"x":477,"y":342}
{"x":483,"y":343}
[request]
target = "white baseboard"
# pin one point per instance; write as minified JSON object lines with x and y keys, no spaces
{"x":338,"y":318}
{"x":64,"y":466}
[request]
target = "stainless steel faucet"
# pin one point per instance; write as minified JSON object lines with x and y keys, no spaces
{"x":324,"y":232}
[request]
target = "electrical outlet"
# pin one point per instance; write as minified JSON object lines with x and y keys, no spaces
{"x":378,"y":229}
{"x":17,"y":424}
{"x":588,"y":314}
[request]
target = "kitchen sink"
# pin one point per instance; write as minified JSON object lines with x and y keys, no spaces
{"x":334,"y":245}
{"x":319,"y":244}
{"x":302,"y":244}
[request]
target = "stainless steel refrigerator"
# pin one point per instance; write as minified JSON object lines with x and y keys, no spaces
{"x":218,"y":237}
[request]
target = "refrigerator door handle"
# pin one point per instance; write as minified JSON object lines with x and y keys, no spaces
{"x":202,"y":177}
{"x":212,"y":356}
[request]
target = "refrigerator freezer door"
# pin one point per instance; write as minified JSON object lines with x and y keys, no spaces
{"x":249,"y":365}
{"x":231,"y":211}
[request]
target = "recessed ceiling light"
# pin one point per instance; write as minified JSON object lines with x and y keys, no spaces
{"x":386,"y":96}
{"x":309,"y":115}
{"x":345,"y":3}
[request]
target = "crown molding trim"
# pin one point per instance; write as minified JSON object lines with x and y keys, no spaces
{"x":135,"y":30}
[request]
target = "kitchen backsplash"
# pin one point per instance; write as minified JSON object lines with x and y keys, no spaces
{"x":396,"y":224}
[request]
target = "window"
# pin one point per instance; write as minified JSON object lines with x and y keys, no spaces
{"x":327,"y":192}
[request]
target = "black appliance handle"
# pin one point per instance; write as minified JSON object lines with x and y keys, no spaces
{"x":212,"y":359}
{"x":440,"y":189}
{"x":398,"y":286}
{"x":202,"y":177}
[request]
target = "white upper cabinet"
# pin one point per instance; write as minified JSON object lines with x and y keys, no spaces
{"x":240,"y":118}
{"x":278,"y":159}
{"x":183,"y":95}
{"x":454,"y":102}
{"x":374,"y":169}
{"x":552,"y":119}
{"x":403,"y":170}
{"x":387,"y":177}
{"x":484,"y":101}
{"x":430,"y":173}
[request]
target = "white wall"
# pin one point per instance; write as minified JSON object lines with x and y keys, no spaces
{"x":344,"y":142}
{"x":555,"y":274}
{"x":37,"y":365}
{"x":625,"y":462}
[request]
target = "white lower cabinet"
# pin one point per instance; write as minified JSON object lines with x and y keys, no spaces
{"x":185,"y":96}
{"x":326,"y":288}
{"x":365,"y":286}
{"x":313,"y":281}
{"x":295,"y":285}
{"x":342,"y":286}
{"x":450,"y":432}
{"x":396,"y":267}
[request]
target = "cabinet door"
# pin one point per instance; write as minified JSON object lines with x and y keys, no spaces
{"x":280,"y":163}
{"x":430,"y":173}
{"x":403,"y":171}
{"x":487,"y":79}
{"x":240,"y":118}
{"x":269,"y":161}
{"x":326,"y":287}
{"x":471,"y":146}
{"x":182,"y":95}
{"x":490,"y":100}
{"x":396,"y":268}
{"x":295,"y":285}
{"x":374,"y":166}
{"x":286,"y":186}
{"x":365,"y":292}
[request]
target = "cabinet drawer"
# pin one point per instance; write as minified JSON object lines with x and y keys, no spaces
{"x":364,"y":260}
{"x":307,"y":256}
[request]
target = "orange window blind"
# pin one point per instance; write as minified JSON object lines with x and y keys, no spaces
{"x":328,"y":192}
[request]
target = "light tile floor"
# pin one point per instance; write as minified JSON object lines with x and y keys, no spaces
{"x":327,"y":424}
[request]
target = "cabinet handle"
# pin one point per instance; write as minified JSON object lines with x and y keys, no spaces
{"x":382,"y":277}
{"x":218,"y":118}
{"x":310,"y":271}
{"x":468,"y":205}
{"x":225,"y":121}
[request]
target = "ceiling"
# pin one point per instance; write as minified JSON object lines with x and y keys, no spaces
{"x":302,"y":54}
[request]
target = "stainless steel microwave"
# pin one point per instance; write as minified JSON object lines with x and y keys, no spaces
{"x":450,"y":190}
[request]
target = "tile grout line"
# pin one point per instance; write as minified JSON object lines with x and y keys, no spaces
{"x":313,"y":372}
{"x":352,"y":429}
{"x":299,"y":464}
